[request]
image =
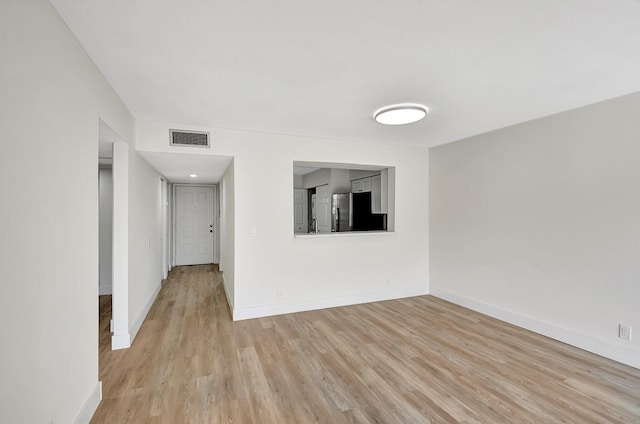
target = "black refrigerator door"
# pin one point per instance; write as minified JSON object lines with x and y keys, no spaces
{"x":361,"y":210}
{"x":363,"y":219}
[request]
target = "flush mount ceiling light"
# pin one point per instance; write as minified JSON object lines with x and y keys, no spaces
{"x":400,"y":114}
{"x":193,"y":175}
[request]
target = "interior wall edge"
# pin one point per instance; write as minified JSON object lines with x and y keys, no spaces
{"x":143,"y":314}
{"x":120,"y":341}
{"x":226,"y":293}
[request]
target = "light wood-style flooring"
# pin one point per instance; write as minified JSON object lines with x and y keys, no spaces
{"x":416,"y":360}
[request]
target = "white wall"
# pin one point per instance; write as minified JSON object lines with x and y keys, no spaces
{"x":105,"y":213}
{"x":539,"y":224}
{"x":145,"y":238}
{"x":340,"y":182}
{"x":52,"y":96}
{"x":227,"y":232}
{"x":313,"y":271}
{"x":316,"y":178}
{"x":121,"y":337}
{"x":337,"y":179}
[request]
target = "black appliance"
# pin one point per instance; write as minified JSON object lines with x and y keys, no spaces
{"x":361,"y":218}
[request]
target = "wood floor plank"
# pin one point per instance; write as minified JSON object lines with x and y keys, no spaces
{"x":414,"y":360}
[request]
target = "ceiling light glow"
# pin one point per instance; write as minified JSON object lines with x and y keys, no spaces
{"x":193,"y":175}
{"x":400,"y":114}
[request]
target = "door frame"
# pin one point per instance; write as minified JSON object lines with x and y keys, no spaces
{"x":120,"y":149}
{"x":163,"y":227}
{"x":216,"y":220}
{"x":121,"y":337}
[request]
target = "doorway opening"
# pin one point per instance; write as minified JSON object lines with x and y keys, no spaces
{"x":113,"y":189}
{"x":105,"y":242}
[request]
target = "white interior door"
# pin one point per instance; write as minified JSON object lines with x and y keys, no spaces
{"x":194,"y":225}
{"x":300,"y":209}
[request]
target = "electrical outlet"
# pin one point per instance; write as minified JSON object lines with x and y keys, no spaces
{"x":252,"y":231}
{"x":280,"y":293}
{"x":624,"y":332}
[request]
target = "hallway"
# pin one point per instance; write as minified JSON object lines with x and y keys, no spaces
{"x":402,"y":361}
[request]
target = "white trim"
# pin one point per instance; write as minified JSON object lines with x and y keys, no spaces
{"x":170,"y":224}
{"x":120,"y":255}
{"x":90,"y":406}
{"x":163,"y":227}
{"x":216,"y":219}
{"x":216,"y":232}
{"x":313,"y":304}
{"x":226,"y":293}
{"x":120,"y":341}
{"x":138,"y":323}
{"x":623,"y":354}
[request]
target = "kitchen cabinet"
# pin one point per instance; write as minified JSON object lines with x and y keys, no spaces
{"x":384,"y":191}
{"x":374,"y":185}
{"x":356,"y":186}
{"x":300,"y":211}
{"x":376,"y":194}
{"x":361,"y":185}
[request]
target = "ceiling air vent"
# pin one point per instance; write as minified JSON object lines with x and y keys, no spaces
{"x":189,"y":138}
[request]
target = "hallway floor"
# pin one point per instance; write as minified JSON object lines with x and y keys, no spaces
{"x":416,"y":360}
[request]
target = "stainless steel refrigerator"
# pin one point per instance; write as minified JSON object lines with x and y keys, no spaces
{"x":340,"y":212}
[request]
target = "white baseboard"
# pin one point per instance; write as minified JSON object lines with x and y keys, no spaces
{"x":104,"y":290}
{"x":313,"y":304}
{"x":138,"y":322}
{"x":90,"y":406}
{"x":623,"y":354}
{"x":226,"y":292}
{"x":120,"y":341}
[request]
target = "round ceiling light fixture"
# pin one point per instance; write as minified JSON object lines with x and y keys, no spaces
{"x":400,"y":114}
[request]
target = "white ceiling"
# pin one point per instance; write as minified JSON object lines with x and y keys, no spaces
{"x":321,"y":68}
{"x":177,"y":166}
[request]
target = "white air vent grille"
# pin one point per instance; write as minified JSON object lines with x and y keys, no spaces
{"x":189,"y":138}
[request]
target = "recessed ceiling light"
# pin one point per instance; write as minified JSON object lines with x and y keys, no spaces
{"x":193,"y":175}
{"x":400,"y":114}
